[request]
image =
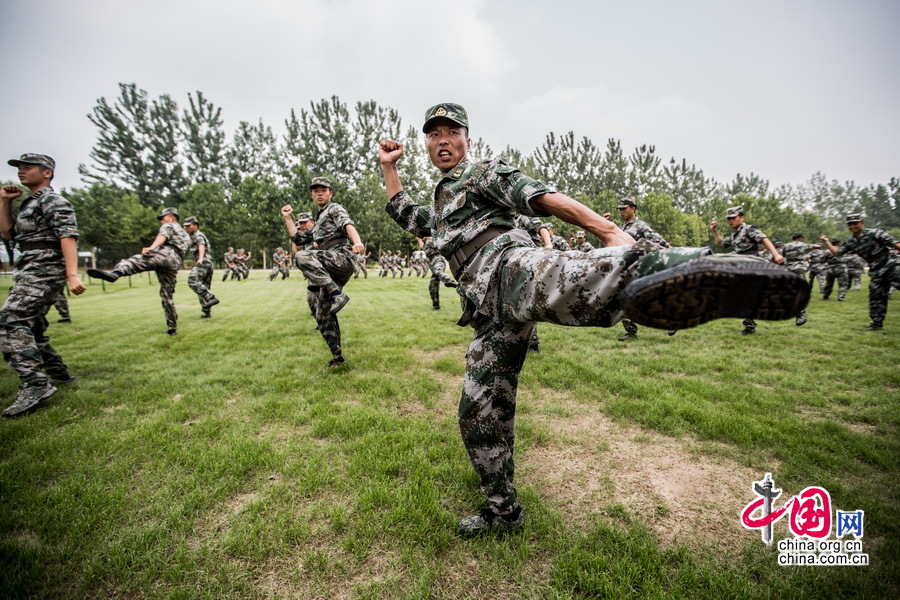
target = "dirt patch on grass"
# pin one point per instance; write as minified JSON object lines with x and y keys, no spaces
{"x":25,"y":539}
{"x":592,"y":464}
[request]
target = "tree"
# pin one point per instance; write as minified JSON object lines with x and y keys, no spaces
{"x":218,"y":219}
{"x":644,"y":176}
{"x":253,"y":153}
{"x":204,"y":140}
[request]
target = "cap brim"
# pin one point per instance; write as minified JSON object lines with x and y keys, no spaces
{"x":446,"y":118}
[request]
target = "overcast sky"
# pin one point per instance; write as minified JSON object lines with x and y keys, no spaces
{"x":781,"y":88}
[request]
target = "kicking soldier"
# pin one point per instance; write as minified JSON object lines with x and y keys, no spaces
{"x":200,"y":279}
{"x":507,"y":285}
{"x":163,"y":256}
{"x":46,"y":234}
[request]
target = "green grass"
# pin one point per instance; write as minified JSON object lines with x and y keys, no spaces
{"x":225,"y":463}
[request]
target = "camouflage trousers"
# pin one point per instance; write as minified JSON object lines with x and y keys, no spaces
{"x":438,"y":277}
{"x":855,"y":276}
{"x":838,"y":273}
{"x":817,"y":274}
{"x":276,"y":269}
{"x":880,"y":284}
{"x":566,"y":288}
{"x":165,"y":262}
{"x":327,"y":271}
{"x":360,"y":267}
{"x":23,"y":325}
{"x":61,"y":304}
{"x":200,"y":280}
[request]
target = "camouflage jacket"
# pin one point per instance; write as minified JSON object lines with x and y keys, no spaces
{"x":817,"y":258}
{"x":198,"y":238}
{"x":584,"y":246}
{"x":474,"y":196}
{"x":330,"y":230}
{"x":279,"y":258}
{"x":855,"y":263}
{"x":559,"y":243}
{"x":45,"y":216}
{"x":430,"y":250}
{"x":640,"y":230}
{"x":176,"y":237}
{"x":533,"y":226}
{"x":229,"y":258}
{"x":745,"y":240}
{"x":874,"y":246}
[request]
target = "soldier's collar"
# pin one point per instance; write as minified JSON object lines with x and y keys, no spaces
{"x":457,"y":171}
{"x":44,"y":190}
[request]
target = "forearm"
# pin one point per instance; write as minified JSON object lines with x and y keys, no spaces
{"x":575,"y":213}
{"x":718,"y":236}
{"x":70,"y":255}
{"x":391,"y":179}
{"x":291,"y":226}
{"x":6,"y":219}
{"x":545,"y":237}
{"x":159,"y":241}
{"x":201,"y":252}
{"x":353,"y":235}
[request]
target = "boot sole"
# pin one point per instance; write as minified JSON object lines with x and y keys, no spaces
{"x":98,"y":274}
{"x":702,"y":290}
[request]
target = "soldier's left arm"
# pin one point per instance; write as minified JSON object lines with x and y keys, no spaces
{"x":354,"y":238}
{"x":69,"y":246}
{"x":772,"y":250}
{"x":574,"y":212}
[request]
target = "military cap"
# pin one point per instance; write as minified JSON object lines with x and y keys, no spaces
{"x":191,"y":221}
{"x":579,"y":234}
{"x":855,"y":218}
{"x":231,"y":247}
{"x":778,"y":244}
{"x":796,"y":235}
{"x":446,"y":110}
{"x":835,"y":241}
{"x":320,"y":181}
{"x":168,"y":211}
{"x":303,"y":217}
{"x":547,"y":226}
{"x":734,"y":211}
{"x":626,"y":202}
{"x":30,"y":158}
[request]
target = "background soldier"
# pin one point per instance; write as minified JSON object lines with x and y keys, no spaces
{"x":361,"y":265}
{"x":438,"y":276}
{"x":330,"y":266}
{"x":836,"y":269}
{"x":200,"y":279}
{"x":61,"y":304}
{"x":581,"y":244}
{"x":879,"y":249}
{"x":745,"y":239}
{"x":558,"y":242}
{"x":229,"y":264}
{"x":162,"y":256}
{"x":796,"y":259}
{"x":46,"y":234}
{"x":305,"y":223}
{"x":507,"y":285}
{"x":856,"y":266}
{"x":279,"y":258}
{"x":817,"y":261}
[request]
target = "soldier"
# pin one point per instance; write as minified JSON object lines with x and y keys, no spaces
{"x":200,"y":279}
{"x":163,"y":256}
{"x":507,"y":285}
{"x":361,"y":265}
{"x":229,"y":264}
{"x":329,"y":267}
{"x":836,"y":269}
{"x":796,"y":259}
{"x":46,"y":234}
{"x":305,"y":223}
{"x":639,"y":230}
{"x":438,"y":276}
{"x":240,"y":260}
{"x":879,"y":250}
{"x":581,"y":244}
{"x":279,"y":258}
{"x":558,"y":242}
{"x":817,"y":261}
{"x":856,"y":266}
{"x":61,"y":304}
{"x":397,"y":262}
{"x":745,"y":239}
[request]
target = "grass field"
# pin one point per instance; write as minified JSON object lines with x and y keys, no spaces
{"x":225,"y":463}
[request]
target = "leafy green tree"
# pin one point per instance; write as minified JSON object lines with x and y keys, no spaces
{"x":204,"y":140}
{"x":218,"y":219}
{"x":253,"y":153}
{"x":614,"y":169}
{"x":645,"y":175}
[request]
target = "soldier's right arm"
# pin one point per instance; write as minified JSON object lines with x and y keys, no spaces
{"x":414,"y":218}
{"x":8,"y":193}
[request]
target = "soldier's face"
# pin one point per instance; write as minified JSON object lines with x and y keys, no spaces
{"x":856,"y":228}
{"x":191,"y":228}
{"x":321,"y":195}
{"x":735,"y":222}
{"x":447,"y":144}
{"x":627,"y":213}
{"x":169,"y":219}
{"x":30,"y":175}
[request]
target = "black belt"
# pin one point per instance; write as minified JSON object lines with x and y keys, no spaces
{"x":40,"y":245}
{"x":335,"y":242}
{"x":461,"y":256}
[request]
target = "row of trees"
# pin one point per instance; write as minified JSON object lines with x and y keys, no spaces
{"x":151,"y":153}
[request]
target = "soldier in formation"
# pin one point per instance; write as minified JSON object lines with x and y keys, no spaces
{"x":856,"y":266}
{"x":230,"y":267}
{"x":797,"y":258}
{"x":200,"y":279}
{"x":163,"y":256}
{"x":279,"y":262}
{"x":558,"y":242}
{"x":836,"y":270}
{"x":507,"y":285}
{"x":437,"y":265}
{"x":46,"y":234}
{"x":879,"y":250}
{"x":361,"y":265}
{"x":580,"y":243}
{"x":745,"y":239}
{"x":329,"y":267}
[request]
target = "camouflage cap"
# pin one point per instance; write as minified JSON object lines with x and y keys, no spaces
{"x":30,"y":158}
{"x":303,"y":217}
{"x":446,"y":110}
{"x":796,"y":235}
{"x":835,"y":241}
{"x":734,"y":211}
{"x":547,"y":226}
{"x":579,"y":234}
{"x":626,"y":202}
{"x":191,"y":221}
{"x":168,"y":211}
{"x":320,"y":181}
{"x":231,"y":248}
{"x":855,"y":218}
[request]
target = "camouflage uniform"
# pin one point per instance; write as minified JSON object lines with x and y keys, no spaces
{"x":62,"y":307}
{"x":817,"y":265}
{"x":559,"y":243}
{"x":200,"y":278}
{"x":584,"y":246}
{"x":438,"y":276}
{"x":39,"y":277}
{"x":856,"y":266}
{"x":836,"y":269}
{"x":506,"y":286}
{"x":745,"y":240}
{"x":875,"y":246}
{"x":639,"y":230}
{"x":229,"y":265}
{"x":279,"y":257}
{"x":360,"y":266}
{"x":165,"y":261}
{"x":328,"y":268}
